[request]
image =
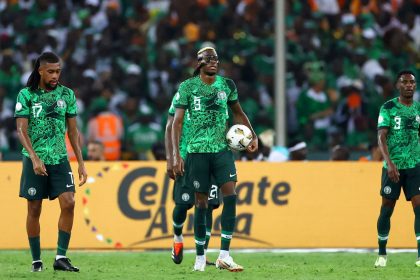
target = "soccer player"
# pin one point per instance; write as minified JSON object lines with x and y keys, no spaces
{"x":43,"y":111}
{"x":398,"y":140}
{"x":207,"y":96}
{"x":183,"y":195}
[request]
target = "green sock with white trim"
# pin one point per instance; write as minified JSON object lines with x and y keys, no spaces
{"x":63,"y":242}
{"x":228,"y":221}
{"x":200,"y":230}
{"x":384,"y":226}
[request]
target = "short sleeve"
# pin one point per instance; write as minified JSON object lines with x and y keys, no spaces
{"x":181,"y":97}
{"x":384,"y":120}
{"x":23,"y":104}
{"x":71,"y":110}
{"x":233,"y":95}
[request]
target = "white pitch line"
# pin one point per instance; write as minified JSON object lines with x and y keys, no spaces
{"x":311,"y":250}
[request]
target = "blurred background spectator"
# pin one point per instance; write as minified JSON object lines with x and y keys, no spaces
{"x":340,"y":153}
{"x":129,"y":57}
{"x":95,"y":151}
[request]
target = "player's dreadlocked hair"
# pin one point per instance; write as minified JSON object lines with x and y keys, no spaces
{"x":200,"y":59}
{"x":34,"y":78}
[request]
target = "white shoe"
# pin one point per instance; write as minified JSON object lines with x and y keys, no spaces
{"x":418,"y":262}
{"x":229,"y":264}
{"x":381,"y":261}
{"x":200,"y":264}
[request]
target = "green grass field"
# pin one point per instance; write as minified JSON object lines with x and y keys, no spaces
{"x":158,"y":265}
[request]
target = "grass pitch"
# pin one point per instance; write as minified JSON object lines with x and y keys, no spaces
{"x":158,"y":265}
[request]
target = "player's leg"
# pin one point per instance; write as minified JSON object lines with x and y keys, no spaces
{"x":184,"y":200}
{"x":412,"y":193}
{"x":209,"y":225}
{"x":199,"y":179}
{"x":200,"y":211}
{"x":62,"y":185}
{"x":33,"y":230}
{"x":179,"y":215}
{"x":214,"y":203}
{"x":390,"y":192}
{"x":225,"y":175}
{"x":383,"y":227}
{"x":415,"y":200}
{"x":34,"y":189}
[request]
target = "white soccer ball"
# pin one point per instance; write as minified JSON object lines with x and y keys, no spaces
{"x":238,"y":137}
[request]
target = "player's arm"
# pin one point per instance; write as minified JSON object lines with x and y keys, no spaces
{"x":22,"y":132}
{"x":168,"y":147}
{"x":178,"y":163}
{"x":74,"y":138}
{"x":393,"y":173}
{"x":239,"y":117}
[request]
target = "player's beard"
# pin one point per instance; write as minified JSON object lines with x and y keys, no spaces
{"x":48,"y":86}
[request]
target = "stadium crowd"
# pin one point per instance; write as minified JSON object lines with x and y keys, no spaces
{"x":125,"y":59}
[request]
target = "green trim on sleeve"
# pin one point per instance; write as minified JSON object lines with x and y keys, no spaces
{"x":181,"y":106}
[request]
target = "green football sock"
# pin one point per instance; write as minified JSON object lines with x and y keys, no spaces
{"x":178,"y":217}
{"x":384,"y":225}
{"x":200,"y":230}
{"x":228,"y":221}
{"x":63,"y":242}
{"x":417,"y":228}
{"x":209,"y":225}
{"x":35,"y":246}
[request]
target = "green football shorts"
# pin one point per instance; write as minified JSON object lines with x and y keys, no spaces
{"x":184,"y":194}
{"x":202,"y":166}
{"x":409,"y":182}
{"x":35,"y":187}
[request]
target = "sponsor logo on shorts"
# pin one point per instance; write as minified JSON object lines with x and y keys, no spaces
{"x":185,"y":197}
{"x":232,"y":175}
{"x":387,"y":190}
{"x":69,"y":186}
{"x":196,"y":184}
{"x":32,"y":191}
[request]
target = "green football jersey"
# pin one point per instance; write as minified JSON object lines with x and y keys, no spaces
{"x":46,"y":113}
{"x":185,"y":129}
{"x":403,"y":132}
{"x":207,"y":105}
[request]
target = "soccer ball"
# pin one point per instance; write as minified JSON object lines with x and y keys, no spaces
{"x":238,"y":137}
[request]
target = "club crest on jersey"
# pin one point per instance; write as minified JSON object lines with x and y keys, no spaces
{"x":418,"y":118}
{"x":221,"y":95}
{"x":185,"y":197}
{"x":61,"y":104}
{"x":32,"y":191}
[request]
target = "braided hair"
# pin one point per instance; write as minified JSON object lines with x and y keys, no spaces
{"x":35,"y":78}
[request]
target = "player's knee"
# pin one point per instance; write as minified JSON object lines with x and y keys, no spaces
{"x":228,"y":189}
{"x":201,"y":200}
{"x":34,"y":210}
{"x":67,"y":205}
